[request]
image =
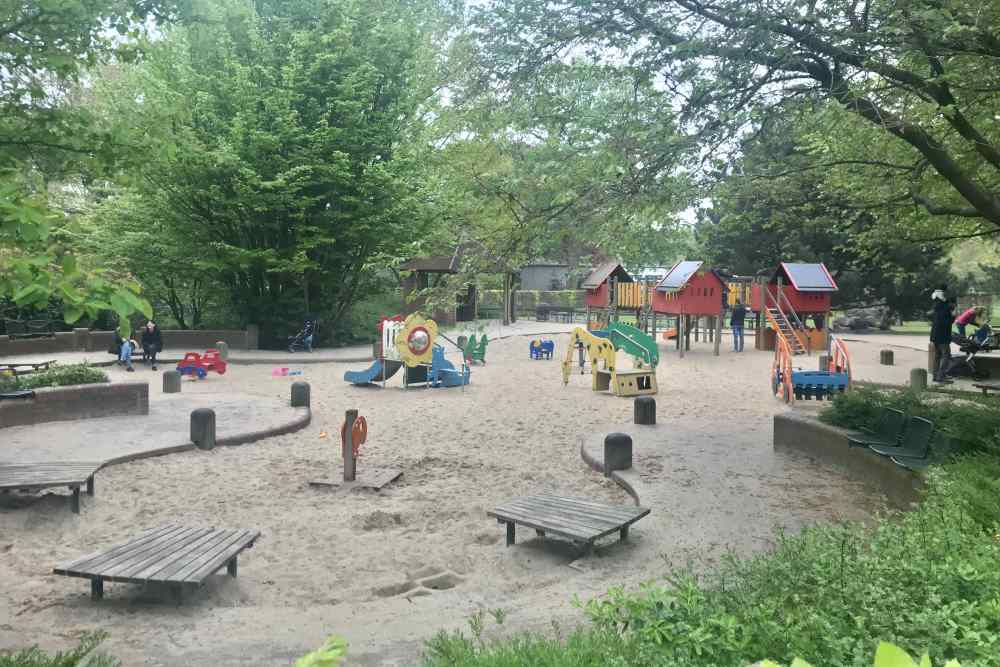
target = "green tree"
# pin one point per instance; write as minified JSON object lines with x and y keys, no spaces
{"x":282,"y":146}
{"x":921,"y":74}
{"x":774,"y":205}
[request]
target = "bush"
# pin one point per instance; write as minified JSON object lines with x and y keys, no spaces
{"x":969,"y":424}
{"x":84,"y":654}
{"x":56,"y":376}
{"x":360,"y":323}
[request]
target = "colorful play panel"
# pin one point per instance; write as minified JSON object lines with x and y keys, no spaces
{"x":411,"y":344}
{"x":601,"y":348}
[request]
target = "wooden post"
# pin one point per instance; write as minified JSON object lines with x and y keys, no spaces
{"x":687,"y":332}
{"x":654,"y":325}
{"x":918,"y":379}
{"x":347,"y":447}
{"x":717,"y":333}
{"x":932,"y":359}
{"x":681,"y":322}
{"x":697,"y":326}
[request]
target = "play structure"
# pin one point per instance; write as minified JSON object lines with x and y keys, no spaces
{"x":474,"y":351}
{"x":198,"y":365}
{"x":786,"y":299}
{"x":353,"y":434}
{"x":541,"y":348}
{"x":791,"y":383}
{"x":690,"y":292}
{"x":411,"y":345}
{"x":601,"y":347}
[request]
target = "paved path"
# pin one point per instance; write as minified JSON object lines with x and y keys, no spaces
{"x":166,"y":429}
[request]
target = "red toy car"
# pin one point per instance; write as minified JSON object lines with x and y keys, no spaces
{"x":198,"y":365}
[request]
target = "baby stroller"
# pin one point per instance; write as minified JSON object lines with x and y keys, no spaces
{"x":983,"y":340}
{"x":303,"y":340}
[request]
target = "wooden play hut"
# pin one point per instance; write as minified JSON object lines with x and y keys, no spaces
{"x":796,"y":295}
{"x":691,"y":292}
{"x":605,"y":286}
{"x":423,"y":272}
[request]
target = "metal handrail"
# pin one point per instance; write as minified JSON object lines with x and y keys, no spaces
{"x":777,"y":305}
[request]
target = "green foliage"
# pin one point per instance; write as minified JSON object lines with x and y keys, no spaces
{"x":56,"y":376}
{"x":330,"y":654}
{"x":886,"y":655}
{"x":84,"y":655}
{"x":281,"y":156}
{"x":360,"y":323}
{"x":967,"y":425}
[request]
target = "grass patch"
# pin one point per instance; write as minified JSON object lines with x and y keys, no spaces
{"x":84,"y":655}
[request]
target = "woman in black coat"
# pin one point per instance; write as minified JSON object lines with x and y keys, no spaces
{"x":152,"y":342}
{"x":942,"y":317}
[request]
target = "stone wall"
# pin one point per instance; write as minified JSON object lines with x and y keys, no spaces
{"x":828,"y":444}
{"x":85,"y":340}
{"x":87,"y":401}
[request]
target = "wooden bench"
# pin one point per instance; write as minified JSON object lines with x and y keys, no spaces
{"x":175,"y":555}
{"x":31,"y":329}
{"x":987,"y":387}
{"x":35,"y":476}
{"x":25,"y":368}
{"x":578,"y":520}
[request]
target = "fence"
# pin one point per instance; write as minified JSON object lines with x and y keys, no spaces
{"x":85,"y":340}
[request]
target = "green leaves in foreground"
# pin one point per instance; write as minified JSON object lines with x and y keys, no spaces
{"x":887,"y":655}
{"x":331,"y":653}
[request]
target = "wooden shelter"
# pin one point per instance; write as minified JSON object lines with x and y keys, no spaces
{"x":424,"y":272}
{"x":691,"y":292}
{"x":793,"y":293}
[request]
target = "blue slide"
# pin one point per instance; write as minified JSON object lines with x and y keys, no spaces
{"x":443,"y":372}
{"x":374,"y":373}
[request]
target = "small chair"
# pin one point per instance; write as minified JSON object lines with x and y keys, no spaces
{"x":915,"y":441}
{"x":887,"y":431}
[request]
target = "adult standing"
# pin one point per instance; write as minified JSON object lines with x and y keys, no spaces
{"x":941,"y":321}
{"x":152,"y":342}
{"x":736,"y":321}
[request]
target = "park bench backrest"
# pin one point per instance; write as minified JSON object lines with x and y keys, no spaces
{"x":14,"y":327}
{"x":890,"y":426}
{"x":917,"y":437}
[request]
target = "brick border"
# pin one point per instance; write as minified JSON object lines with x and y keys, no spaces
{"x":85,"y":401}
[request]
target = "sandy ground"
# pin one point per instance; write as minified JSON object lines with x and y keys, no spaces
{"x":387,"y":570}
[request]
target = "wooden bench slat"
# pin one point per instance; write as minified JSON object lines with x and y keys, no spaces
{"x":557,"y":516}
{"x":79,"y":563}
{"x":553,"y":528}
{"x":579,"y":514}
{"x":212,"y":540}
{"x":551,"y":520}
{"x":138,"y":559}
{"x":212,"y":562}
{"x":154,"y":559}
{"x":91,"y":563}
{"x":584,"y":511}
{"x":622,"y":510}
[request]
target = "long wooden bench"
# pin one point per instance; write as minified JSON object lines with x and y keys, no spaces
{"x":176,"y":555}
{"x":578,"y":520}
{"x":36,"y":476}
{"x":25,"y":368}
{"x":987,"y":387}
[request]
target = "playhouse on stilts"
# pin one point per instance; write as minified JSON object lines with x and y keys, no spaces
{"x":692,"y":295}
{"x":784,"y":300}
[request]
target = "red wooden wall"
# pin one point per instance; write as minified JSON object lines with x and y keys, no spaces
{"x":802,"y":302}
{"x":702,"y":295}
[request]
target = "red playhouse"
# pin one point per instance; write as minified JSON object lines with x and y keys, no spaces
{"x":794,"y":293}
{"x":691,"y":291}
{"x":601,"y":286}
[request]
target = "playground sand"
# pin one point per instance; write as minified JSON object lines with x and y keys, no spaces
{"x":389,"y":569}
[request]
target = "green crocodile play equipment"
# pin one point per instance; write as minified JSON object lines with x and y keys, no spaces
{"x":634,"y":342}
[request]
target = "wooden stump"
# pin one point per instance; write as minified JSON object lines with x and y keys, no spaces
{"x":617,"y":452}
{"x":223,"y":348}
{"x":203,"y":428}
{"x":932,"y":358}
{"x":824,"y":362}
{"x":645,"y":410}
{"x":300,"y":394}
{"x":918,"y":379}
{"x":171,"y":382}
{"x":885,"y":357}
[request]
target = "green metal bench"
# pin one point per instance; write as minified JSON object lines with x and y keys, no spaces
{"x":886,"y":432}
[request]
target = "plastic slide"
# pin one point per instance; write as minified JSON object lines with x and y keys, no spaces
{"x":634,"y":342}
{"x":374,"y":373}
{"x":443,"y":372}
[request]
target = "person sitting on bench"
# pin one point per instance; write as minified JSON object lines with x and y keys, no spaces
{"x":123,"y":348}
{"x":152,"y":342}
